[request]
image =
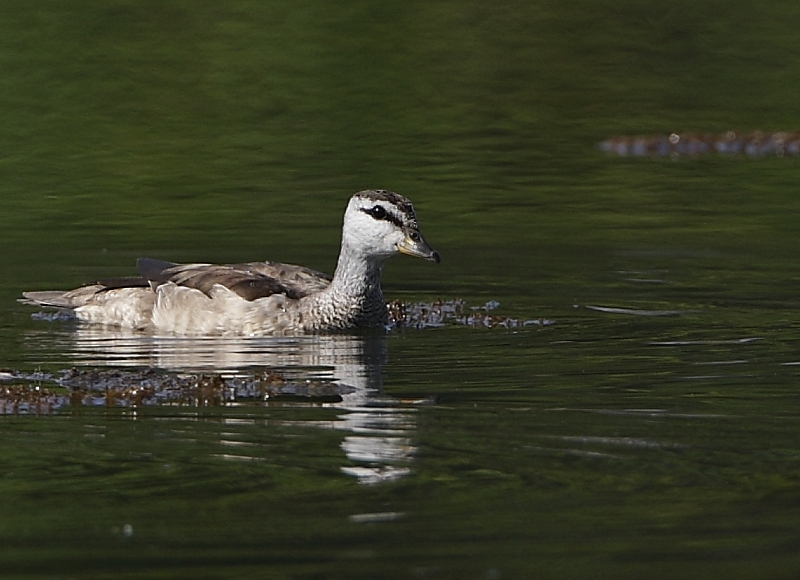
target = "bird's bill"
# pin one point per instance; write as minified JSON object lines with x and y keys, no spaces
{"x":418,"y":248}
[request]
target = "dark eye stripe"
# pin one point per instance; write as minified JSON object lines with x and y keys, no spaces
{"x":379,"y":213}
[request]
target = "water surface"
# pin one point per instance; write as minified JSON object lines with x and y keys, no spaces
{"x":650,"y":431}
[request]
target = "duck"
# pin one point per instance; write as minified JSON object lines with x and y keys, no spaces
{"x":259,"y":298}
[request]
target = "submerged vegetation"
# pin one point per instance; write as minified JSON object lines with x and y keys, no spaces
{"x":119,"y":388}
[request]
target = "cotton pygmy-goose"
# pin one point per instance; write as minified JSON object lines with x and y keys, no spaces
{"x":260,"y":298}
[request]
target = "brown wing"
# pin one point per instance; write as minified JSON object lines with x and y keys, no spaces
{"x":250,"y":281}
{"x":300,"y":280}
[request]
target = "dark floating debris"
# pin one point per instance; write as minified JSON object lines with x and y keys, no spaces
{"x":456,"y":312}
{"x":148,"y":387}
{"x":753,"y":144}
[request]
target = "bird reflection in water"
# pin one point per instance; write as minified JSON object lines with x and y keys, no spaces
{"x":116,"y":367}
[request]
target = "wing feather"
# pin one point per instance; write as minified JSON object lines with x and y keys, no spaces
{"x":250,"y":281}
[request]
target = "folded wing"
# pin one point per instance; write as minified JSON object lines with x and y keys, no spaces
{"x":250,"y":281}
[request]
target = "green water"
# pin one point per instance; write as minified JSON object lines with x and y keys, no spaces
{"x":607,"y":445}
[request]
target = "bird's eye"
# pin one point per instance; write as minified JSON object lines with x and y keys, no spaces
{"x":414,"y":236}
{"x":378,"y":212}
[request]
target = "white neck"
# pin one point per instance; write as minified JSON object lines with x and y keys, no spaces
{"x":354,"y":297}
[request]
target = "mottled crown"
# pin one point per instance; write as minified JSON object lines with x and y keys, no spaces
{"x":403,"y":205}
